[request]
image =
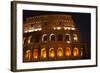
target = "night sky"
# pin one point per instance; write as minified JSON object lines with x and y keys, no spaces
{"x":82,"y":20}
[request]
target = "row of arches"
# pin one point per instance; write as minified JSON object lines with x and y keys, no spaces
{"x":59,"y":37}
{"x":53,"y":37}
{"x":59,"y":53}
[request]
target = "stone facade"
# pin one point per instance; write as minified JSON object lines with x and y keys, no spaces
{"x":50,"y":38}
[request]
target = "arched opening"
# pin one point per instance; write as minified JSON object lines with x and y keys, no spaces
{"x":43,"y":53}
{"x":29,"y":39}
{"x":35,"y":54}
{"x":51,"y":53}
{"x":81,"y":51}
{"x":75,"y":52}
{"x":28,"y":55}
{"x":44,"y":38}
{"x":52,"y":37}
{"x":59,"y":52}
{"x":75,"y":37}
{"x":68,"y":38}
{"x":68,"y":51}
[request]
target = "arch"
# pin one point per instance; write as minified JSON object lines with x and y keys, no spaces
{"x":29,"y":39}
{"x":51,"y":52}
{"x":28,"y":55}
{"x":81,"y":51}
{"x":35,"y":53}
{"x":52,"y":37}
{"x":68,"y":51}
{"x":75,"y":52}
{"x":44,"y":37}
{"x":43,"y":53}
{"x":60,"y":52}
{"x":75,"y":37}
{"x":68,"y":38}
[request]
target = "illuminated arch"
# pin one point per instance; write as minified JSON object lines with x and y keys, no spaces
{"x":52,"y":37}
{"x":44,"y":37}
{"x":51,"y":52}
{"x":68,"y":51}
{"x":75,"y":52}
{"x":68,"y":38}
{"x":60,"y":52}
{"x":81,"y":51}
{"x":35,"y":53}
{"x":29,"y":39}
{"x":28,"y":55}
{"x":43,"y":53}
{"x":75,"y":37}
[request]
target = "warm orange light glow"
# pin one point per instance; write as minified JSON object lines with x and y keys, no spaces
{"x":65,"y":28}
{"x":35,"y":54}
{"x":75,"y":52}
{"x":54,"y":28}
{"x":59,"y":52}
{"x":68,"y":51}
{"x":69,"y":28}
{"x":43,"y":53}
{"x":75,"y":37}
{"x":51,"y":52}
{"x":73,"y":28}
{"x":68,"y":38}
{"x":28,"y":55}
{"x":32,"y":30}
{"x":29,"y":39}
{"x":58,"y":28}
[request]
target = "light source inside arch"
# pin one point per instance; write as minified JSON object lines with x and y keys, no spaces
{"x":51,"y":53}
{"x":58,"y":28}
{"x":60,"y":52}
{"x":35,"y":54}
{"x":29,"y":39}
{"x":68,"y":51}
{"x":68,"y":38}
{"x":43,"y":53}
{"x":75,"y":37}
{"x":75,"y":52}
{"x":28,"y":55}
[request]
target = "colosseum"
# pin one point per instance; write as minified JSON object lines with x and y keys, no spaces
{"x":52,"y":38}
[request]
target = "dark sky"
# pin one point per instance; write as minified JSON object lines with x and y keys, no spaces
{"x":82,"y":20}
